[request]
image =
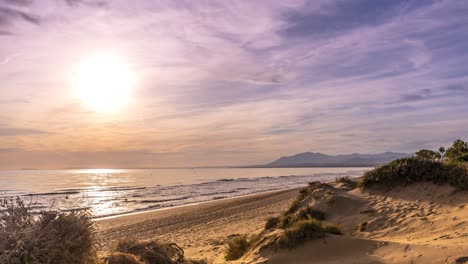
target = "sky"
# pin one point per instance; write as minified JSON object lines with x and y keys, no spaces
{"x":232,"y":82}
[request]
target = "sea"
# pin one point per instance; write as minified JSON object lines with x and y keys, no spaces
{"x":113,"y":192}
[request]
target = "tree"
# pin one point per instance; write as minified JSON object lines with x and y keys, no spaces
{"x":427,"y":154}
{"x":458,"y":148}
{"x":442,"y":151}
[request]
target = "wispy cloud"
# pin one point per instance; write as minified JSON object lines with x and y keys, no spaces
{"x":10,"y":131}
{"x":256,"y":78}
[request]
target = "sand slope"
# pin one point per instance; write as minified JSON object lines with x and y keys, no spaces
{"x":421,"y":223}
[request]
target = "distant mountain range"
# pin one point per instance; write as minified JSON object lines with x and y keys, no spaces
{"x":312,"y":159}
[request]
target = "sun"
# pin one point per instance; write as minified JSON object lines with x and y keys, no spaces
{"x":103,"y":82}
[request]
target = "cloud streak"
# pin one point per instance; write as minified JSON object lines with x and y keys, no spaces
{"x":258,"y":78}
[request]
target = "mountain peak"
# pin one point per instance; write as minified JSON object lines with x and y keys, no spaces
{"x":317,"y":159}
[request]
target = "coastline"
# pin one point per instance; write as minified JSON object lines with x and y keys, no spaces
{"x":201,"y":229}
{"x":97,"y":219}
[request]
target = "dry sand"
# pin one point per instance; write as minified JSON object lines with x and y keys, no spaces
{"x":421,"y":223}
{"x":201,"y":230}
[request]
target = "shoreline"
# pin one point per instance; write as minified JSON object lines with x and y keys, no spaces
{"x":201,"y":230}
{"x":97,"y":219}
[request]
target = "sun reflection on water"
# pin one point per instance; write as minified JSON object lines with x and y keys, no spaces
{"x":98,"y":171}
{"x":102,"y":195}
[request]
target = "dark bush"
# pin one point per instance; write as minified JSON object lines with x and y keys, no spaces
{"x":409,"y":170}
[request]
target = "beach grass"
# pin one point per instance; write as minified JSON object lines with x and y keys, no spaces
{"x":411,"y":170}
{"x":50,"y":237}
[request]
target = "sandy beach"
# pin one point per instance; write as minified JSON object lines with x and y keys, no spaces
{"x":421,"y":223}
{"x":201,"y":230}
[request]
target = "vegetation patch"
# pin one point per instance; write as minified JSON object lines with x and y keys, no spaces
{"x":237,"y":247}
{"x":123,"y":258}
{"x":409,"y":170}
{"x":51,"y":237}
{"x":346,"y":181}
{"x":70,"y":237}
{"x":272,"y":222}
{"x":310,"y":213}
{"x":303,"y":231}
{"x":149,"y":252}
{"x":332,"y":229}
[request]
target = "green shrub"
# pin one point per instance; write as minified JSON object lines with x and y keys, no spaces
{"x":237,"y":247}
{"x":51,"y":237}
{"x":303,"y":231}
{"x":462,"y":158}
{"x":272,"y":222}
{"x":409,"y":170}
{"x":427,"y":154}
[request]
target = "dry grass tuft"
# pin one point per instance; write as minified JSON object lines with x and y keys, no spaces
{"x":149,"y":252}
{"x":310,"y":213}
{"x":346,"y":181}
{"x":123,"y":258}
{"x":305,"y":230}
{"x":237,"y":247}
{"x":51,"y":237}
{"x":272,"y":222}
{"x":57,"y":237}
{"x":300,"y":232}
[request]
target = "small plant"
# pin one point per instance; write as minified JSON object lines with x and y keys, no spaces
{"x":346,"y":181}
{"x":305,"y":230}
{"x":272,"y":222}
{"x":148,"y":252}
{"x":123,"y":258}
{"x":287,"y":221}
{"x":310,"y":213}
{"x":297,"y":202}
{"x":237,"y":247}
{"x":362,"y":226}
{"x":332,"y":229}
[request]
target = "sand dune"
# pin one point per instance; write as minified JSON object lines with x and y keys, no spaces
{"x":421,"y":223}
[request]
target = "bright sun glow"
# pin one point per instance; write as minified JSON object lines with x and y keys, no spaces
{"x":103,"y":82}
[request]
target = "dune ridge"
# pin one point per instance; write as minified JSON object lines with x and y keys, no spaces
{"x":418,"y":223}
